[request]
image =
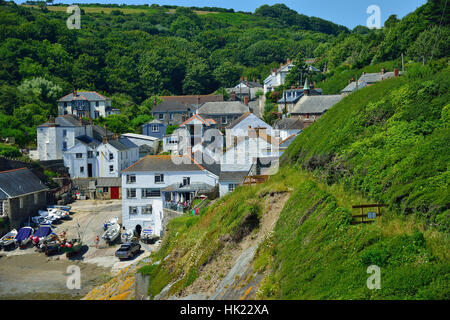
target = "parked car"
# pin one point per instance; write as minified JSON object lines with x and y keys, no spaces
{"x":128,"y":250}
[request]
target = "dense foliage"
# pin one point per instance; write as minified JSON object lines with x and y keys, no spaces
{"x":132,"y":53}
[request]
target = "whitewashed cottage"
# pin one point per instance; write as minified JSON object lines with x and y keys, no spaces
{"x":158,"y":183}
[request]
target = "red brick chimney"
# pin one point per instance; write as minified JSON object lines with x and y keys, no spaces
{"x":154,"y":102}
{"x":396,"y":73}
{"x":246,"y":101}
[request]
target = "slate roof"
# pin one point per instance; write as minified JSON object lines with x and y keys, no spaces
{"x":14,"y":183}
{"x":84,"y":95}
{"x":172,"y":106}
{"x":289,"y":124}
{"x":193,"y":99}
{"x":122,"y":144}
{"x":67,"y":120}
{"x":316,"y":104}
{"x":292,"y":98}
{"x":226,"y":107}
{"x":207,"y":162}
{"x":109,"y":182}
{"x":90,"y":142}
{"x":193,"y":187}
{"x":165,"y":163}
{"x":352,"y":86}
{"x":233,"y":176}
{"x":99,"y":132}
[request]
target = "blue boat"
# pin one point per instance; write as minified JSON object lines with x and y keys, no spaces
{"x":41,"y":233}
{"x":24,"y":236}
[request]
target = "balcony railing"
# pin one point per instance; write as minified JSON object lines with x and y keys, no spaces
{"x":175,"y":207}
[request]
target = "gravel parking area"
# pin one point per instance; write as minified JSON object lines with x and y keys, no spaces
{"x":28,"y":274}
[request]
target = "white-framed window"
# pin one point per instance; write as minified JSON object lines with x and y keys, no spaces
{"x":133,"y":210}
{"x":150,"y":193}
{"x":159,"y":178}
{"x":131,"y":193}
{"x":111,"y":168}
{"x":81,"y":169}
{"x":155,"y":128}
{"x":186,"y":181}
{"x":64,"y":145}
{"x":161,"y":116}
{"x":131,"y":178}
{"x":147,"y":209}
{"x":79,"y":155}
{"x":231,"y":187}
{"x":223,"y":120}
{"x":171,"y":116}
{"x":111,"y":156}
{"x":90,"y":154}
{"x":64,"y":133}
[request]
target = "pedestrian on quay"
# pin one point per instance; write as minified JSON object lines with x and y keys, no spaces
{"x":97,"y":240}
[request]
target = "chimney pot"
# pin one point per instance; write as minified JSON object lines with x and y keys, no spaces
{"x":246,"y":101}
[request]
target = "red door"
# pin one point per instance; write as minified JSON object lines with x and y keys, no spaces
{"x":114,"y":192}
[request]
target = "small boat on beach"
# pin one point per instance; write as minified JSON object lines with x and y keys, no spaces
{"x":112,"y":233}
{"x":148,"y":236}
{"x":41,"y":234}
{"x":23,"y":237}
{"x":110,"y":222}
{"x":8,"y":239}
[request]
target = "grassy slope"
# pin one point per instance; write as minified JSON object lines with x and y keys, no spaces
{"x":389,"y":141}
{"x":314,"y":252}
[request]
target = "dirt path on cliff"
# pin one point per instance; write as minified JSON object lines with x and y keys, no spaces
{"x":212,"y":275}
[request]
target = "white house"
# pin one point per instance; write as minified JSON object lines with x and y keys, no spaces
{"x":155,"y":183}
{"x":86,"y":104}
{"x":58,"y":135}
{"x":115,"y":155}
{"x":81,"y":159}
{"x":277,"y":77}
{"x":91,"y":158}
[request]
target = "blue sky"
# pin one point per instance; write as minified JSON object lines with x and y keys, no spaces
{"x":349,"y":13}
